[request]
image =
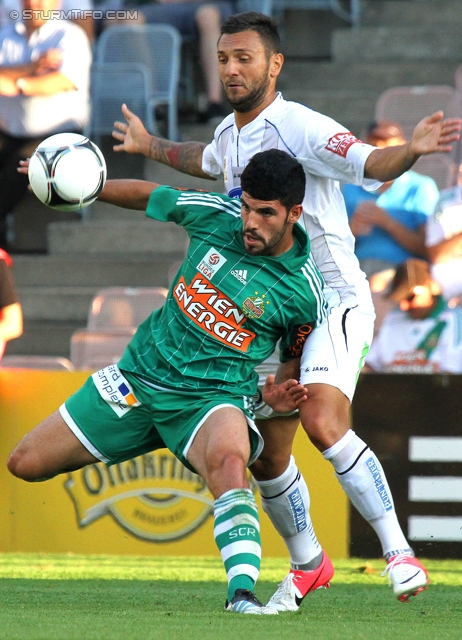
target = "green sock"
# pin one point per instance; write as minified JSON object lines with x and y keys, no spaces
{"x":237,"y":534}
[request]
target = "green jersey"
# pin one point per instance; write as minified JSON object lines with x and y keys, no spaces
{"x":226,"y":309}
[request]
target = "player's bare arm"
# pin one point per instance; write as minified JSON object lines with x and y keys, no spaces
{"x":182,"y":156}
{"x":129,"y":194}
{"x":431,"y":135}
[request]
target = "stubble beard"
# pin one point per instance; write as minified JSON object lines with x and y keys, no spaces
{"x":253,"y":99}
{"x":267,"y":246}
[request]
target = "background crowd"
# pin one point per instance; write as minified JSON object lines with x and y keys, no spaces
{"x":44,"y":89}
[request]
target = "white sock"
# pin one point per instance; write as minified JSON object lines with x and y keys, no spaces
{"x":363,"y":480}
{"x":286,"y":501}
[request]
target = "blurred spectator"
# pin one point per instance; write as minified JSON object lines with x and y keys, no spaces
{"x":389,"y":224}
{"x":199,"y":20}
{"x":423,"y":335}
{"x":44,"y":78}
{"x":444,"y":242}
{"x":80,"y":11}
{"x":10,"y":309}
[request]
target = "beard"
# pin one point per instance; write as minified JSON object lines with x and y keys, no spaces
{"x":267,"y":245}
{"x":254,"y":98}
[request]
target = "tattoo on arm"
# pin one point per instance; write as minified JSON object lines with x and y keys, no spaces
{"x":182,"y":156}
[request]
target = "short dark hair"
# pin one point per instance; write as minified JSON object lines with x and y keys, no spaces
{"x":274,"y":175}
{"x":265,"y":26}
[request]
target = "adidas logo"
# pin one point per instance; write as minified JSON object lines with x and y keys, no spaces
{"x":241,"y":275}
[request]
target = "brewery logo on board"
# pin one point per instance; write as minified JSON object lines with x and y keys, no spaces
{"x":154,"y":496}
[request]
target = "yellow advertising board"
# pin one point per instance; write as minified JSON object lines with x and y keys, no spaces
{"x":150,"y":505}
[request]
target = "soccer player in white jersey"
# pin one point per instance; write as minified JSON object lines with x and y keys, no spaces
{"x":250,"y":61}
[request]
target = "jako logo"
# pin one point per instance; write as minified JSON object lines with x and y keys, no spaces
{"x":240,"y":275}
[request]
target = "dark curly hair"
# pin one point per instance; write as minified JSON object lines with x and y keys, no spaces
{"x":274,"y":175}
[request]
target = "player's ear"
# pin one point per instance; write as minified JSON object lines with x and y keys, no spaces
{"x":295,"y":213}
{"x":275,"y":65}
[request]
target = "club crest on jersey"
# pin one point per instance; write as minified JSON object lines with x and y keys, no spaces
{"x":213,"y":312}
{"x":340,"y":143}
{"x":254,"y":306}
{"x":211,"y":262}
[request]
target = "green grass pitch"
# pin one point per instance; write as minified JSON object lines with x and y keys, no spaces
{"x":70,"y":597}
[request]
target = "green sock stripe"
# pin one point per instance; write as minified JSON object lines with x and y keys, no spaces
{"x":236,"y":511}
{"x":243,"y":558}
{"x":231,"y":498}
{"x":241,"y":581}
{"x":238,"y":534}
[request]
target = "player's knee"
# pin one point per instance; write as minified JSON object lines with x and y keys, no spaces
{"x":270,"y":465}
{"x":228,"y":464}
{"x":323,"y":428}
{"x":24,"y":466}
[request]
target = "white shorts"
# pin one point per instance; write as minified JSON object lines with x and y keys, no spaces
{"x":333,"y":354}
{"x":335,"y":351}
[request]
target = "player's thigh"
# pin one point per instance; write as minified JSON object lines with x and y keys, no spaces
{"x":112,"y":416}
{"x":335,"y":351}
{"x":180,"y":418}
{"x":49,"y":449}
{"x":221,"y":449}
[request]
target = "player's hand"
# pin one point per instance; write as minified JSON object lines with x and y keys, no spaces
{"x":285,"y":396}
{"x":24,"y":166}
{"x":433,"y":134}
{"x":132,"y":134}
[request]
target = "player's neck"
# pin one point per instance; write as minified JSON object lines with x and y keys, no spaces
{"x":242,"y":119}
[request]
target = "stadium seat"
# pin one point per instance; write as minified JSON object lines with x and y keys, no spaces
{"x":408,"y":105}
{"x":113,"y":84}
{"x":454,"y":110}
{"x":349,"y":11}
{"x":93,"y":350}
{"x":123,"y":308}
{"x":36,"y":362}
{"x":458,"y":78}
{"x":158,"y":47}
{"x":438,"y":166}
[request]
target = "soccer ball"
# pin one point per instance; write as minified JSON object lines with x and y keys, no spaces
{"x":67,"y":171}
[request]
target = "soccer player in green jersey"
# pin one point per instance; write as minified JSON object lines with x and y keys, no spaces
{"x":187,"y":378}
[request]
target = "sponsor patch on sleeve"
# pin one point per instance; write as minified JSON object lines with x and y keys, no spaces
{"x":115,"y":389}
{"x":341,"y":142}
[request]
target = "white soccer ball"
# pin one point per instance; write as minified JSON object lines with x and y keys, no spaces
{"x":67,"y":171}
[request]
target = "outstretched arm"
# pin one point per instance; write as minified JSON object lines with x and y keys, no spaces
{"x":182,"y":156}
{"x":431,"y":135}
{"x":128,"y":194}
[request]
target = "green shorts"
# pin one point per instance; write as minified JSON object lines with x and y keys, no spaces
{"x":117,"y":416}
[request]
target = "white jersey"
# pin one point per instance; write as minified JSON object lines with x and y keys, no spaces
{"x":405,"y":345}
{"x":329,"y":153}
